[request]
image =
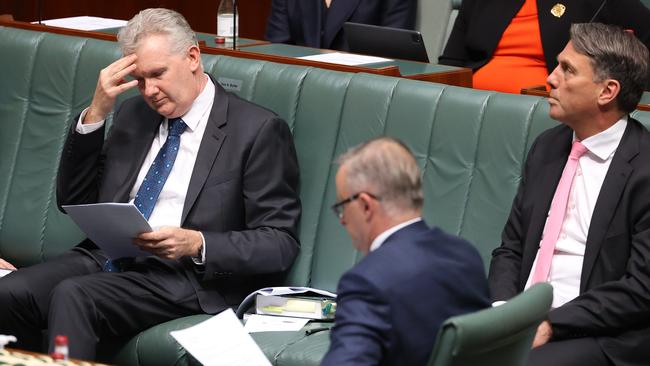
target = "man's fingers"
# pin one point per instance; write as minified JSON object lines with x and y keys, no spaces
{"x":153,"y":235}
{"x":6,"y":265}
{"x":119,"y":75}
{"x":122,"y":63}
{"x":121,"y":88}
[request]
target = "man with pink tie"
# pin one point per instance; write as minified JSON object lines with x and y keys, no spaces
{"x":581,"y":217}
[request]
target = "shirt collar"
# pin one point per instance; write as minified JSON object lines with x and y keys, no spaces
{"x":200,"y":106}
{"x":604,"y":144}
{"x":381,"y":238}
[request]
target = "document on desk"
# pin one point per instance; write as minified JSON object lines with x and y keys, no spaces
{"x":221,"y":341}
{"x":341,"y":58}
{"x":112,"y":226}
{"x":86,"y":23}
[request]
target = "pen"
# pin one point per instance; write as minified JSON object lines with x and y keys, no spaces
{"x":315,"y":330}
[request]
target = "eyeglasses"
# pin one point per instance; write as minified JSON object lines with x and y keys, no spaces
{"x":338,"y":206}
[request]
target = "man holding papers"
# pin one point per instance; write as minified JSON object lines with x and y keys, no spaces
{"x":391,"y":304}
{"x":216,"y":177}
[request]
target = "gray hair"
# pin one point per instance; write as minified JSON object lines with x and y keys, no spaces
{"x":157,"y":21}
{"x":386,"y":168}
{"x":614,"y":54}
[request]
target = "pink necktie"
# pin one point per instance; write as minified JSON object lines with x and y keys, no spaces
{"x":558,"y":211}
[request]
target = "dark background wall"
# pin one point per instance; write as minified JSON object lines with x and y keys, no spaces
{"x":201,"y":14}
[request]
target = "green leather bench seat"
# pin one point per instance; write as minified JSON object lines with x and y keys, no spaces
{"x":470,"y":145}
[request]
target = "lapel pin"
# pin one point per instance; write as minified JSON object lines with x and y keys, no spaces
{"x":558,"y":10}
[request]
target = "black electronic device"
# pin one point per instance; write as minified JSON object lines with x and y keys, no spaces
{"x":373,"y":40}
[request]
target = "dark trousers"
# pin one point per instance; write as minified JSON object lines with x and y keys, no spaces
{"x":70,"y":295}
{"x":571,"y":352}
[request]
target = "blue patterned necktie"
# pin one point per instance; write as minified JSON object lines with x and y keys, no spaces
{"x":154,"y":181}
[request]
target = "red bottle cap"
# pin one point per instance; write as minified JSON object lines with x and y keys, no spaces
{"x":60,"y":340}
{"x":57,"y":356}
{"x":220,"y":40}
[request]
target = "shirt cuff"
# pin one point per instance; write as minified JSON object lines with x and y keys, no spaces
{"x":200,"y":260}
{"x":498,"y":303}
{"x":87,"y":128}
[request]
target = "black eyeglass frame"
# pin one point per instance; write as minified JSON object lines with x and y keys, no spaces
{"x":337,"y":207}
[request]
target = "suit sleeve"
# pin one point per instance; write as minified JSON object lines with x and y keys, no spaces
{"x":455,"y":52}
{"x":80,"y":167}
{"x":399,"y":14}
{"x":277,"y":25}
{"x":268,"y":243}
{"x":362,"y":326}
{"x":505,"y":267}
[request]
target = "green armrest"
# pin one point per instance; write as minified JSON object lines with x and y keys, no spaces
{"x":499,"y":336}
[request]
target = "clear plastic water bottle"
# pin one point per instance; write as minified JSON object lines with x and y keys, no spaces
{"x":225,"y":15}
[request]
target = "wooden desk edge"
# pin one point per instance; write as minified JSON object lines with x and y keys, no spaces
{"x":37,"y":355}
{"x":461,"y":77}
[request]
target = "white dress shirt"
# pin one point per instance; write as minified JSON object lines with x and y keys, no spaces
{"x":566,"y":265}
{"x":169,"y":207}
{"x":381,"y":238}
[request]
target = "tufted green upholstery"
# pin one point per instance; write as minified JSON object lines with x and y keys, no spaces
{"x":499,"y":336}
{"x":470,"y":145}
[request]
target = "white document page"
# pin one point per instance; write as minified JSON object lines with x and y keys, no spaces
{"x":4,"y":272}
{"x":112,"y":226}
{"x":85,"y":23}
{"x":221,"y":341}
{"x":349,"y":59}
{"x":269,"y":323}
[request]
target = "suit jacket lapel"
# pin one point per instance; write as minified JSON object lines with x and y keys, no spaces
{"x":213,"y":138}
{"x":608,"y":198}
{"x":549,"y":176}
{"x":339,"y":12}
{"x":311,"y":20}
{"x":147,"y":128}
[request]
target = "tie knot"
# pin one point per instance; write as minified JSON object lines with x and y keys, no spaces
{"x":176,"y":126}
{"x":577,"y":150}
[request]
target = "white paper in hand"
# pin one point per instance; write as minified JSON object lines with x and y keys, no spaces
{"x":4,"y":272}
{"x":221,"y":341}
{"x":112,"y":226}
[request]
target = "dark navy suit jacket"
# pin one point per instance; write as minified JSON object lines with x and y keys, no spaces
{"x":299,"y":21}
{"x":392,"y":303}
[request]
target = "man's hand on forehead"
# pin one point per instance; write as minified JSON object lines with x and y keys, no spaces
{"x":111,"y":83}
{"x":125,"y":67}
